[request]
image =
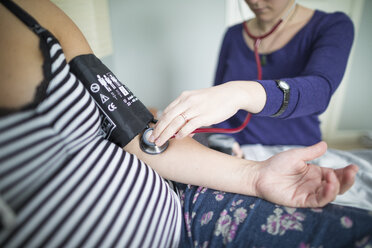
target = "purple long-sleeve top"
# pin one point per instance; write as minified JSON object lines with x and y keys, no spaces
{"x":313,"y":63}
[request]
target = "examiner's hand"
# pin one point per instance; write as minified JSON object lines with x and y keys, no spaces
{"x":287,"y":179}
{"x":193,"y":109}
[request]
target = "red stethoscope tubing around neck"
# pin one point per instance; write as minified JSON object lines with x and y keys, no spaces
{"x":257,"y":40}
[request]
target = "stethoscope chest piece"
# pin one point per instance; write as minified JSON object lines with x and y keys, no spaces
{"x":150,"y":147}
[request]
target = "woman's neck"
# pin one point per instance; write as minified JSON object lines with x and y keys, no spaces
{"x":264,"y":26}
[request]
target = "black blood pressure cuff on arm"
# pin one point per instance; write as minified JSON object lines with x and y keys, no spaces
{"x":123,"y":115}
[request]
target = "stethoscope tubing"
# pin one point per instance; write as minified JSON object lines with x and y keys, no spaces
{"x":225,"y":130}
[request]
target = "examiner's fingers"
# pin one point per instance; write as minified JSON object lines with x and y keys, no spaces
{"x":170,"y":130}
{"x":170,"y":117}
{"x":187,"y":129}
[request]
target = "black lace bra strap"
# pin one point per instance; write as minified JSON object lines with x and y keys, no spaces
{"x":23,"y":16}
{"x":43,"y":35}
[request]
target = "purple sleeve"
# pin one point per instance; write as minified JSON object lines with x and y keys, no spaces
{"x":312,"y":90}
{"x":220,"y":71}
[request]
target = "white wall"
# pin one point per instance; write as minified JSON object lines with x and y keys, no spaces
{"x":166,"y":46}
{"x":357,"y":106}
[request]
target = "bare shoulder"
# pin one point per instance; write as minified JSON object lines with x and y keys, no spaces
{"x":20,"y":60}
{"x":20,"y":57}
{"x":55,"y":20}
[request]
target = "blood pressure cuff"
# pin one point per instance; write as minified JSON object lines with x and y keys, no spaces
{"x":123,"y":115}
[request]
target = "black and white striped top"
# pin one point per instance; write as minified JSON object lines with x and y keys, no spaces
{"x":69,"y":187}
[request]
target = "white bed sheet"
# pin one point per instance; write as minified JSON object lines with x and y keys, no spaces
{"x":359,"y":195}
